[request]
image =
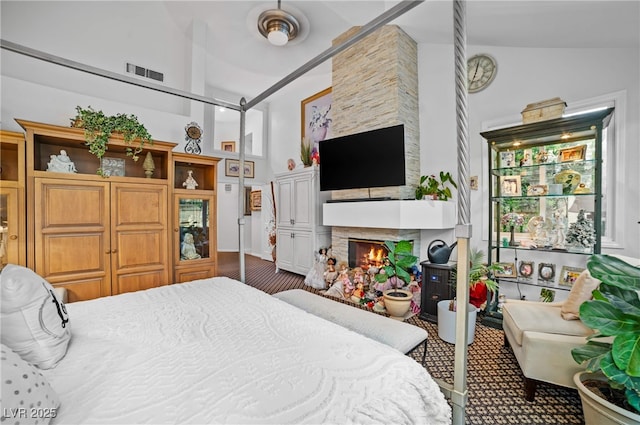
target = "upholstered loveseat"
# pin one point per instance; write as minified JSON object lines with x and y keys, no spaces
{"x":542,"y":335}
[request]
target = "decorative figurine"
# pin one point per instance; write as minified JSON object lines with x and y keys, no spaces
{"x":188,"y":251}
{"x":291,"y":164}
{"x":61,"y":163}
{"x":190,"y":182}
{"x":330,"y":274}
{"x":148,"y":165}
{"x":316,"y":276}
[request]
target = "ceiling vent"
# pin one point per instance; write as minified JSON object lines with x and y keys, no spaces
{"x":143,"y":72}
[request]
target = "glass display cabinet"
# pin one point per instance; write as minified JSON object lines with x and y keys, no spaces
{"x":12,"y":199}
{"x":545,"y":198}
{"x":194,"y":192}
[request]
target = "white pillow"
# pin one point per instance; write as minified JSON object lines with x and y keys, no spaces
{"x":35,"y":323}
{"x":27,"y":397}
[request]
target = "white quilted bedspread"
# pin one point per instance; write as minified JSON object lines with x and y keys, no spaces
{"x":218,"y":351}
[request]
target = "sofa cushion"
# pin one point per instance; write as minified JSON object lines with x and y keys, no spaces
{"x":580,"y":292}
{"x":539,"y":317}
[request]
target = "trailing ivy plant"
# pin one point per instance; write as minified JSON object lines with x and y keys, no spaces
{"x":98,"y":128}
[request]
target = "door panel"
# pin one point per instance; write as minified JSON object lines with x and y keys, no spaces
{"x":72,"y":241}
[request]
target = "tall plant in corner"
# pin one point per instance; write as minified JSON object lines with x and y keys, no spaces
{"x":614,"y":312}
{"x":98,"y":128}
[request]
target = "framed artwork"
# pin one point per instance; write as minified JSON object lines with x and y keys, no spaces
{"x":316,"y":117}
{"x":256,"y":200}
{"x":232,"y":168}
{"x":527,"y":158}
{"x":575,"y":153}
{"x":525,"y":269}
{"x":508,"y":270}
{"x":547,"y":272}
{"x":537,"y":190}
{"x":568,"y":275}
{"x":228,"y":146}
{"x":112,"y":166}
{"x":507,"y":159}
{"x":510,"y":186}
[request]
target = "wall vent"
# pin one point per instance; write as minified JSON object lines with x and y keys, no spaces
{"x":143,"y":72}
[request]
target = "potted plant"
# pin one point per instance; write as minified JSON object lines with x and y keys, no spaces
{"x":98,"y":128}
{"x":433,"y":188}
{"x":305,"y":152}
{"x":398,"y":261}
{"x":614,"y":313}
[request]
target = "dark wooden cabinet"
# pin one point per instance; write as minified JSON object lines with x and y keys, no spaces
{"x":437,"y":285}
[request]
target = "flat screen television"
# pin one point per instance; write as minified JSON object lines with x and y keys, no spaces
{"x":373,"y":158}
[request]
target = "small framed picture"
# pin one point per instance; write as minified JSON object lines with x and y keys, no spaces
{"x":537,"y":190}
{"x":508,"y":270}
{"x":510,"y":186}
{"x":568,"y":275}
{"x":228,"y":146}
{"x":112,"y":166}
{"x":525,"y":269}
{"x":547,"y":295}
{"x":507,"y":159}
{"x":232,"y":168}
{"x":575,"y":153}
{"x":256,"y":200}
{"x":547,"y":272}
{"x":527,"y":158}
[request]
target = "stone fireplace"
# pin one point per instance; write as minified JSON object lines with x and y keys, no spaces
{"x":375,"y":85}
{"x":340,"y":237}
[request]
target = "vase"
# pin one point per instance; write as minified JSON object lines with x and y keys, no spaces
{"x":397,"y":302}
{"x":447,"y":322}
{"x":598,"y":411}
{"x":318,"y":134}
{"x":512,"y":241}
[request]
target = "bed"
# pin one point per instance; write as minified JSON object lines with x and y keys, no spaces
{"x":219,"y":351}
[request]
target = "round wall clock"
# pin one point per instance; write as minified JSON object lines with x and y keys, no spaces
{"x":481,"y":70}
{"x":193,"y":138}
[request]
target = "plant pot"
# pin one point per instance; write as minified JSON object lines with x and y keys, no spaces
{"x":397,"y":302}
{"x":447,"y":322}
{"x":598,"y":411}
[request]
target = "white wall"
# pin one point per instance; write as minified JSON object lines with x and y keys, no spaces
{"x":39,"y":91}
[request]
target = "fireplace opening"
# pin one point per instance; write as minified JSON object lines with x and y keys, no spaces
{"x":365,"y":253}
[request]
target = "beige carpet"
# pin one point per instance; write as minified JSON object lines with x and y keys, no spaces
{"x":494,"y":379}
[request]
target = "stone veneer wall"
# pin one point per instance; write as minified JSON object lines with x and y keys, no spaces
{"x":375,"y":85}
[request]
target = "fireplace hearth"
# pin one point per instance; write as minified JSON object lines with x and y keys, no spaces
{"x":365,"y":253}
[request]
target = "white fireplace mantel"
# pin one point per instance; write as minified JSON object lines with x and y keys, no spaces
{"x":392,"y":214}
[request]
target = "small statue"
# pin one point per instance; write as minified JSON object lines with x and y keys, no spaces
{"x":188,"y":251}
{"x":291,"y":164}
{"x":61,"y":163}
{"x":148,"y":165}
{"x":358,"y":293}
{"x":190,"y":182}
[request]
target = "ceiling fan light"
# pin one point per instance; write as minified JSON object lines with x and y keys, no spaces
{"x":278,"y":33}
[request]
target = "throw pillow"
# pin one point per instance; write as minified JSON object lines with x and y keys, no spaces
{"x":34,"y":320}
{"x":27,"y":397}
{"x":580,"y":292}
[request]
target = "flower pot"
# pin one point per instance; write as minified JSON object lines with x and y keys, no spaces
{"x":447,"y":322}
{"x":397,"y":302}
{"x":598,"y":411}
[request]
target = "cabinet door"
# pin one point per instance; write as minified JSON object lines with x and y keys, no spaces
{"x":285,"y":211}
{"x":194,"y":249}
{"x":72,"y":241}
{"x":302,"y":202}
{"x":303,"y":251}
{"x":284,"y":249}
{"x":139,"y":233}
{"x":10,"y":237}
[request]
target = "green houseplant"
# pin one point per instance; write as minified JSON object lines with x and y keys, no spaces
{"x":397,"y":263}
{"x":431,"y":187}
{"x":614,"y":312}
{"x":480,"y":277}
{"x":98,"y":128}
